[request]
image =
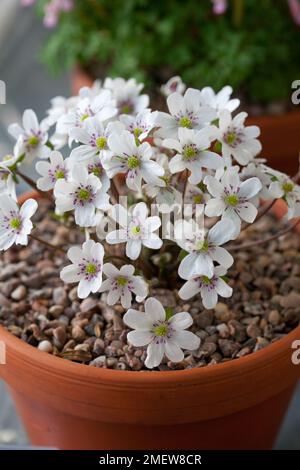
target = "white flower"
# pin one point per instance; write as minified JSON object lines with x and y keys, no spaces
{"x":86,"y":267}
{"x":237,"y":140}
{"x":231,"y":197}
{"x":59,"y":107}
{"x":186,"y":111}
{"x":195,"y":195}
{"x":192,"y":153}
{"x":257,"y":169}
{"x":283,"y":187}
{"x":165,"y":194}
{"x":15,"y":223}
{"x":141,"y":124}
{"x":219,"y":101}
{"x":133,"y":160}
{"x":58,"y":168}
{"x":174,"y":84}
{"x":7,"y":183}
{"x":93,"y":135}
{"x":137,"y":229}
{"x":121,"y":284}
{"x":95,"y":167}
{"x":102,"y":106}
{"x":32,"y":138}
{"x":84,"y":193}
{"x":203,"y":247}
{"x":209,"y":288}
{"x":127,"y":95}
{"x":91,"y":91}
{"x":163,"y":336}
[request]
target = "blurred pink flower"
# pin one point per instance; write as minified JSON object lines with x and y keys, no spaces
{"x":295,"y":10}
{"x":27,"y":3}
{"x":219,"y":6}
{"x":52,"y":10}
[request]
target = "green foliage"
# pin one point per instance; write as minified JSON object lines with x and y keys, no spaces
{"x":154,"y":39}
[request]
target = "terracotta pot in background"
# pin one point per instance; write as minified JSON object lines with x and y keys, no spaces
{"x":236,"y":405}
{"x":280,"y":134}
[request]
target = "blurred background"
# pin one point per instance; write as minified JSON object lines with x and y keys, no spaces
{"x":251,"y":45}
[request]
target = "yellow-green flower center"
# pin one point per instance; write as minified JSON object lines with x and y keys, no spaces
{"x":287,"y":187}
{"x":166,"y":179}
{"x":205,"y":280}
{"x":185,"y":122}
{"x":198,"y":198}
{"x":59,"y":174}
{"x":161,"y":330}
{"x":33,"y":141}
{"x":202,"y":245}
{"x":84,"y":117}
{"x":84,"y":194}
{"x":101,"y":143}
{"x":137,"y":131}
{"x":232,"y":200}
{"x":136,"y":230}
{"x":189,"y":152}
{"x":133,"y":162}
{"x":15,"y":223}
{"x":122,"y":281}
{"x":230,"y":138}
{"x":91,"y":268}
{"x":126,"y":109}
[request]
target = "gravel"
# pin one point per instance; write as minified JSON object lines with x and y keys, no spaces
{"x":36,"y":307}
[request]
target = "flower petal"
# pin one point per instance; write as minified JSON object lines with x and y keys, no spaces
{"x":154,"y":310}
{"x":139,"y":338}
{"x":173,"y":352}
{"x":133,"y":249}
{"x":181,"y":320}
{"x":137,"y":320}
{"x":155,"y":354}
{"x":250,"y":188}
{"x":186,"y":340}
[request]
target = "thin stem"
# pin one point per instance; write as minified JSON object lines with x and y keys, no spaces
{"x":114,"y":190}
{"x":266,"y":240}
{"x":31,"y":183}
{"x":48,"y":244}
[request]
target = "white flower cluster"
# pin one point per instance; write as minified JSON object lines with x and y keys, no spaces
{"x":196,"y":154}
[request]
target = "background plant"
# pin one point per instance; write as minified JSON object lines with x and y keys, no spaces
{"x":253,"y":45}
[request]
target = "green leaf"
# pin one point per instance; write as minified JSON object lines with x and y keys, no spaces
{"x":169,"y":312}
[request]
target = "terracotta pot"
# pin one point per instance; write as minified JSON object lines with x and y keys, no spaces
{"x":280,"y":134}
{"x":280,"y":138}
{"x":236,"y":405}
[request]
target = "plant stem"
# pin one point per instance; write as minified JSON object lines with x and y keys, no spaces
{"x":245,"y":246}
{"x":31,"y":183}
{"x":114,"y":190}
{"x":48,"y":244}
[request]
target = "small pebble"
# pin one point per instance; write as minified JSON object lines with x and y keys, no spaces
{"x":19,"y":293}
{"x":45,"y":346}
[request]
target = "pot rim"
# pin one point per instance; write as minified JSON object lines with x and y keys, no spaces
{"x":63,"y":367}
